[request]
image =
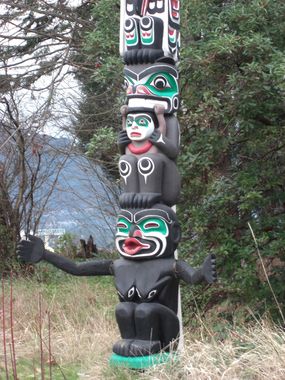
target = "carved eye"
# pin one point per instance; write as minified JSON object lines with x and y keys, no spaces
{"x":126,"y":84}
{"x":121,"y":225}
{"x":138,"y":293}
{"x":129,"y":123}
{"x":160,"y":83}
{"x":142,"y":122}
{"x":131,"y":292}
{"x":151,"y":225}
{"x":152,"y":294}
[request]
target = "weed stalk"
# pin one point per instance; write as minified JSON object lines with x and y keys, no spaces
{"x":265,"y":273}
{"x":13,"y":353}
{"x":41,"y":339}
{"x":4,"y":330}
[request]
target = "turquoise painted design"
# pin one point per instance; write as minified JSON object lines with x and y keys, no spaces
{"x":142,"y":362}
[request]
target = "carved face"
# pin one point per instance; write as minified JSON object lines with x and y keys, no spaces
{"x":139,"y":126}
{"x":147,"y":31}
{"x":144,"y":6}
{"x":148,"y":233}
{"x":131,"y":32}
{"x":148,"y":85}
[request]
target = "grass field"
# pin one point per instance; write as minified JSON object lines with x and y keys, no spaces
{"x":64,"y":328}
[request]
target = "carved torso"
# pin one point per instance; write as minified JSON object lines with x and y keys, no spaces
{"x":145,"y":281}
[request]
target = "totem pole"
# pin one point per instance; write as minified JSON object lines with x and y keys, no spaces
{"x":147,"y":273}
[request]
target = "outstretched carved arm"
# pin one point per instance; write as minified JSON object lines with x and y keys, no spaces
{"x":207,"y":272}
{"x":33,"y":251}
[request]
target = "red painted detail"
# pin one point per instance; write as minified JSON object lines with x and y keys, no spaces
{"x":140,"y":89}
{"x":135,"y":134}
{"x":137,"y":233}
{"x":144,"y":7}
{"x":133,"y":246}
{"x":140,"y":150}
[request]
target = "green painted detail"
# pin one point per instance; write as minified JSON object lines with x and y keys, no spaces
{"x":172,"y":39}
{"x":132,"y":41}
{"x":141,"y":362}
{"x":142,"y":121}
{"x":162,"y":84}
{"x":147,"y":40}
{"x":150,"y":225}
{"x":129,"y":81}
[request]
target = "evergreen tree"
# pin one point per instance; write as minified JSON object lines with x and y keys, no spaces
{"x":233,"y":143}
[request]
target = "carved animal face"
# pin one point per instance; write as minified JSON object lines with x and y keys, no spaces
{"x":147,"y":234}
{"x":148,"y":85}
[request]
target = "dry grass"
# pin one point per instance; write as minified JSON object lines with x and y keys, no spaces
{"x":256,"y":353}
{"x":82,"y":331}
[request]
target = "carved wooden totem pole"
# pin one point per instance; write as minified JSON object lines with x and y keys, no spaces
{"x":147,"y":273}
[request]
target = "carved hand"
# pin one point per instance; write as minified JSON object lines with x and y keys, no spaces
{"x":209,"y":269}
{"x":123,"y":140}
{"x":155,"y":136}
{"x":32,"y":250}
{"x":159,"y":109}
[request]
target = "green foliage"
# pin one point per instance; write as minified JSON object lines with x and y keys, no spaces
{"x":232,"y":116}
{"x":66,"y":245}
{"x":233,"y":142}
{"x":99,"y":115}
{"x":7,"y":249}
{"x":103,"y":145}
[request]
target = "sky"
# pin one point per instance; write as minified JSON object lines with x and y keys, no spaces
{"x":60,"y":90}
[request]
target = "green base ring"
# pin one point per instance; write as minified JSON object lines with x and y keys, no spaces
{"x":141,"y":362}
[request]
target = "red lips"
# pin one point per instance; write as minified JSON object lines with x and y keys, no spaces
{"x":135,"y":134}
{"x":133,"y":246}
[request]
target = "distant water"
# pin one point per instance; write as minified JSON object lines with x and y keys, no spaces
{"x":84,"y":199}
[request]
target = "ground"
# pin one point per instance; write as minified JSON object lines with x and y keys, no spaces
{"x":65,"y":326}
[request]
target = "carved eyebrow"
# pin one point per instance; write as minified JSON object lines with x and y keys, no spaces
{"x":159,"y":69}
{"x":151,"y":70}
{"x":126,"y":214}
{"x":131,"y":118}
{"x":131,"y":74}
{"x":144,"y":214}
{"x":148,"y":118}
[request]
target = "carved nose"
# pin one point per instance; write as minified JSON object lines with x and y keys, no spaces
{"x":135,"y":232}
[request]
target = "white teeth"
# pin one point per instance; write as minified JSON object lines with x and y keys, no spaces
{"x":160,"y":4}
{"x":152,"y":5}
{"x":146,"y":103}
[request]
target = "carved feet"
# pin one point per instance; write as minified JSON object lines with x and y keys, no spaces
{"x":136,"y":347}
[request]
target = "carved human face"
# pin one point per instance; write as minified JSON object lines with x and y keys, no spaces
{"x":147,"y":234}
{"x":139,"y":126}
{"x":148,"y":85}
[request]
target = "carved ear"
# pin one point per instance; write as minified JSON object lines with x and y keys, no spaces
{"x":176,"y":233}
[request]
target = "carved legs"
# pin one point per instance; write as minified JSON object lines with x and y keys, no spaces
{"x":146,"y":328}
{"x":150,"y":174}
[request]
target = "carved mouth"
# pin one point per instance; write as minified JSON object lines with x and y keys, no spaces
{"x":133,"y":246}
{"x":140,"y":102}
{"x":135,"y":134}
